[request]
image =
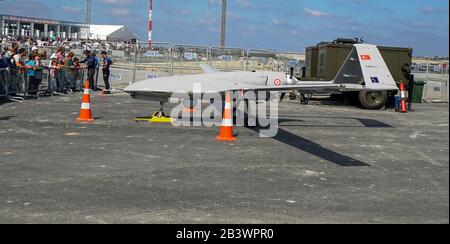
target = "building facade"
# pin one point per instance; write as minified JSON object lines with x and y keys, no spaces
{"x":42,"y":28}
{"x":112,"y":33}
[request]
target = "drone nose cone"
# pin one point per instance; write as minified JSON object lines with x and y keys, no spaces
{"x":131,"y":88}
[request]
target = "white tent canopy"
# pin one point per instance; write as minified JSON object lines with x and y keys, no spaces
{"x":112,"y":33}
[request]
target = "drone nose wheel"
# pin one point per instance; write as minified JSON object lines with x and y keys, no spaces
{"x":304,"y":99}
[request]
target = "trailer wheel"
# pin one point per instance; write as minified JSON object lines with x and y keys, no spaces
{"x":373,"y":99}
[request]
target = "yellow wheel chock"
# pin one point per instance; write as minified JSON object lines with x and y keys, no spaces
{"x":157,"y":117}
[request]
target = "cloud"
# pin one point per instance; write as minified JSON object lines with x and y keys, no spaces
{"x":119,"y":12}
{"x":244,"y":3}
{"x":180,"y":11}
{"x":431,"y":10}
{"x":71,"y":9}
{"x":258,"y":20}
{"x":116,"y":1}
{"x":31,"y":8}
{"x":315,"y":13}
{"x":277,"y":22}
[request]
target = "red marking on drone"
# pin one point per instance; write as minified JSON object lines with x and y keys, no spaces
{"x":277,"y":82}
{"x":366,"y":57}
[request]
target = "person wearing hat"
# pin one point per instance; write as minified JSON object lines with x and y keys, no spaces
{"x":54,"y":71}
{"x":34,"y":74}
{"x":34,"y":51}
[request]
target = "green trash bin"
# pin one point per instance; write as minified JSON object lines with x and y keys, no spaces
{"x":418,"y":91}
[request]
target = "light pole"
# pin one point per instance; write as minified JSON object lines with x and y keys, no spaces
{"x":150,"y":25}
{"x":88,"y":12}
{"x":224,"y":24}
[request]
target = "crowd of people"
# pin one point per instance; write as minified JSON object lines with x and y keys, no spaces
{"x":95,"y":45}
{"x":64,"y":68}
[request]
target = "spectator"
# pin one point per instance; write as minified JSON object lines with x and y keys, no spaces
{"x":34,"y":51}
{"x":18,"y":70}
{"x":70,"y":71}
{"x":15,"y":47}
{"x":43,"y":55}
{"x":107,"y":62}
{"x":76,"y":63}
{"x":9,"y":53}
{"x":34,"y":74}
{"x":60,"y":54}
{"x":53,"y":81}
{"x":18,"y":59}
{"x":4,"y":63}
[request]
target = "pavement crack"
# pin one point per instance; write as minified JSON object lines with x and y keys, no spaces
{"x":430,"y":160}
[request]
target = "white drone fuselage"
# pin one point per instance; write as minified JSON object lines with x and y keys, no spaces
{"x":364,"y":69}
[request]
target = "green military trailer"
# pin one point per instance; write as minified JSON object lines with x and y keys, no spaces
{"x":312,"y":54}
{"x":324,"y":61}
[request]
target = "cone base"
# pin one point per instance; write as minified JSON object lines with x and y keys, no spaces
{"x":220,"y":138}
{"x":404,"y":110}
{"x":226,"y":134}
{"x":79,"y":120}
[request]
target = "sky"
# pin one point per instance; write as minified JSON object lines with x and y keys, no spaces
{"x":288,"y":25}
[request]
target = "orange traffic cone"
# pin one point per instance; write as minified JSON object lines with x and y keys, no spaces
{"x":86,"y":112}
{"x":226,"y":130}
{"x":403,"y":98}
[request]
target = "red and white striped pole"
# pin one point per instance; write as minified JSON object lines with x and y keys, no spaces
{"x":150,"y":26}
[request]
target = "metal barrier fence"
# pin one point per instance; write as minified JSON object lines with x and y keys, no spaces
{"x":227,"y":59}
{"x":4,"y":77}
{"x":435,"y":76}
{"x":152,"y":62}
{"x":186,"y":59}
{"x":262,"y":60}
{"x":135,"y":62}
{"x":18,"y":83}
{"x":436,"y":91}
{"x":294,"y":60}
{"x":165,"y":59}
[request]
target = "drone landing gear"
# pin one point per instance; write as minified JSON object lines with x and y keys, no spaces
{"x":304,"y":99}
{"x":157,"y":117}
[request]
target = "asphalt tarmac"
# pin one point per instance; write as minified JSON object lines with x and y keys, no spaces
{"x":329,"y":163}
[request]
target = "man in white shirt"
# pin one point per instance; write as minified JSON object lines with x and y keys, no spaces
{"x":18,"y":62}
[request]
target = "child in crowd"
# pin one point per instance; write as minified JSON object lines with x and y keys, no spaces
{"x":78,"y":68}
{"x":53,"y":68}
